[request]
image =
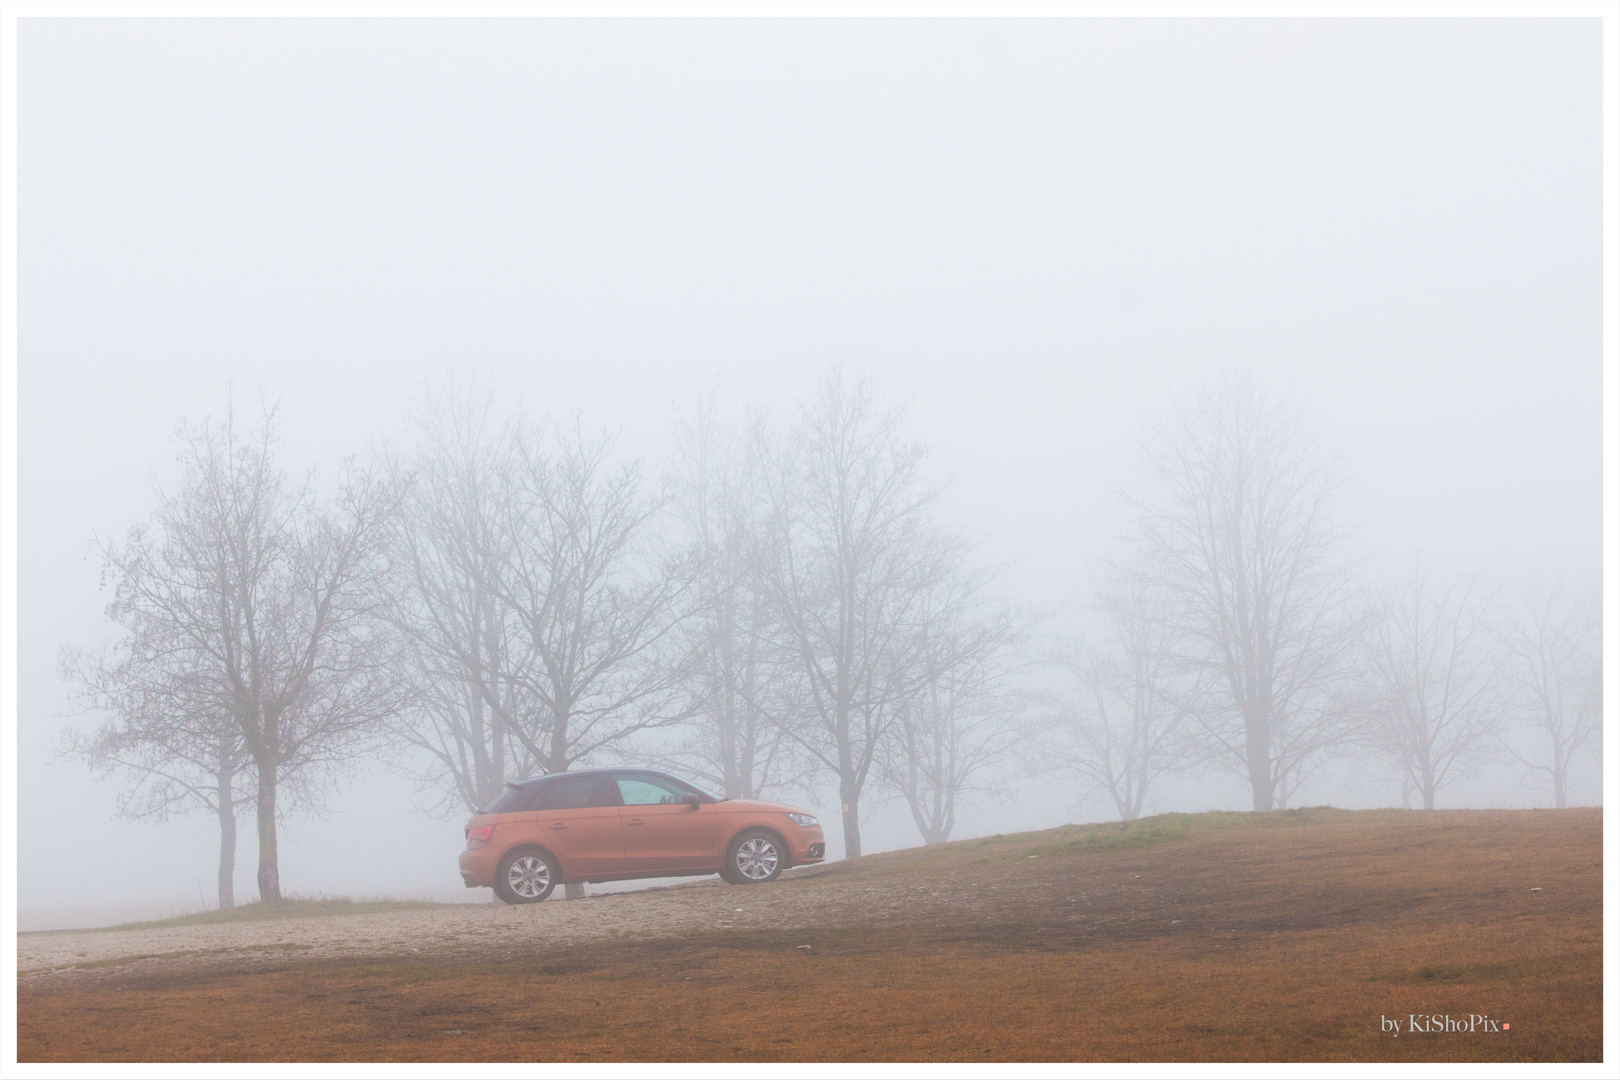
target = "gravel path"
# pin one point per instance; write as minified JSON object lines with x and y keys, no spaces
{"x":654,"y":913}
{"x":877,"y":892}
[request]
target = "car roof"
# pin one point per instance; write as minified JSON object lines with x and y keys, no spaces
{"x":526,"y":781}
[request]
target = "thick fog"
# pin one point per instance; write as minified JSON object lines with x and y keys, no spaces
{"x":1032,"y":236}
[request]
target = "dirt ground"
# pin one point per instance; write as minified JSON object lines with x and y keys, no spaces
{"x":1299,"y":935}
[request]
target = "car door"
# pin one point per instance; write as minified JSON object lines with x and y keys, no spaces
{"x":580,"y":817}
{"x":660,"y":831}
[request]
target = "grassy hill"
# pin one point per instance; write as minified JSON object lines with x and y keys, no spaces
{"x":1291,"y":936}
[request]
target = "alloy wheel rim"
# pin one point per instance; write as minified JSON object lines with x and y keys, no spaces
{"x":756,"y":859}
{"x":529,"y":876}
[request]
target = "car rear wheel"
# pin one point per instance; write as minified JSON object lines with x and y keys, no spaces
{"x":755,"y":857}
{"x":526,"y":876}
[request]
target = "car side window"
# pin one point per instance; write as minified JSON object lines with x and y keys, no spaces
{"x":639,"y":790}
{"x":576,"y":793}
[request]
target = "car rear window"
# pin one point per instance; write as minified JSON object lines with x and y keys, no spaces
{"x":514,"y":798}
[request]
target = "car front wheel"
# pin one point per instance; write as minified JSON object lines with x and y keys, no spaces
{"x":755,"y":857}
{"x":525,"y":876}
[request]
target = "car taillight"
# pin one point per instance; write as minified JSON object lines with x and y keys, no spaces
{"x":479,"y":834}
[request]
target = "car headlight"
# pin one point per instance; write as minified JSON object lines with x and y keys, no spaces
{"x":802,"y":820}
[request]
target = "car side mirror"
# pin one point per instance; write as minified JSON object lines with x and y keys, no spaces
{"x":691,"y":800}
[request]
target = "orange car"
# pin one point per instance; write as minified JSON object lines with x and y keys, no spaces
{"x":614,"y":824}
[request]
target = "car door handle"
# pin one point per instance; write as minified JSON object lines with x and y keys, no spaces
{"x":558,"y":825}
{"x":634,"y":821}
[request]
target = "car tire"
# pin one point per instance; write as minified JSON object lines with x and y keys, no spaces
{"x":526,"y":876}
{"x":754,"y":857}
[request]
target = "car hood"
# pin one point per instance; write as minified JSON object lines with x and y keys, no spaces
{"x":752,"y":806}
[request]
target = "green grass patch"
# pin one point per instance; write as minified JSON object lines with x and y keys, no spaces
{"x":1162,"y":828}
{"x":1101,"y":837}
{"x":1116,"y":836}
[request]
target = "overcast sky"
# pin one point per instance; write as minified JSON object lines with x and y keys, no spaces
{"x":1032,"y":232}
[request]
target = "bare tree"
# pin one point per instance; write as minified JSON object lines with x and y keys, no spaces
{"x":967,"y":715}
{"x":1237,"y":530}
{"x":735,"y":668}
{"x":1127,"y":726}
{"x":461,"y":670}
{"x":849,"y":558}
{"x":1555,"y":666}
{"x":1438,"y":699}
{"x":169,"y":732}
{"x":594,"y":603}
{"x":271,"y":599}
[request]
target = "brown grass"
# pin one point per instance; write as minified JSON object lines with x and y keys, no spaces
{"x":1211,"y":937}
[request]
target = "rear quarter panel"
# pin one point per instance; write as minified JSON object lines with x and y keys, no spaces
{"x":511,"y":831}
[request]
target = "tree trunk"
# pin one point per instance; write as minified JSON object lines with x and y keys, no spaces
{"x":852,"y":827}
{"x":1560,"y":774}
{"x":227,"y":838}
{"x":1259,"y":749}
{"x":573,"y":890}
{"x":269,"y":870}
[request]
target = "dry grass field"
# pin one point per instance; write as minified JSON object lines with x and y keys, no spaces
{"x":1283,"y":937}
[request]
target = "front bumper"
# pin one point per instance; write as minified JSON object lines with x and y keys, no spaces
{"x":806,"y":845}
